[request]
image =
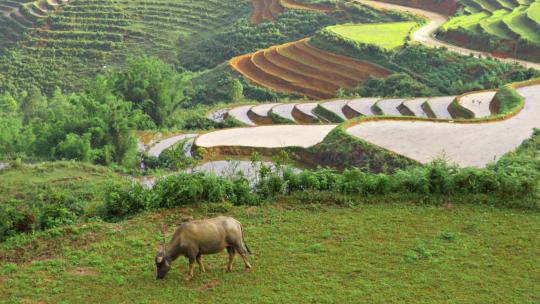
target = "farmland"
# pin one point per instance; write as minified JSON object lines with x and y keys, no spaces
{"x":511,"y":24}
{"x":374,"y":151}
{"x":301,"y":68}
{"x":386,"y":35}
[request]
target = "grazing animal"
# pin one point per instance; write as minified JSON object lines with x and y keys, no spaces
{"x":193,"y":239}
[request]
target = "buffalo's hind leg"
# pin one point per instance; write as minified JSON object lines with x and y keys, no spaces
{"x":201,"y":265}
{"x":231,"y":251}
{"x":243,"y":251}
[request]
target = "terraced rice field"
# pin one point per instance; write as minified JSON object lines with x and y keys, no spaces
{"x":414,"y":106}
{"x":385,"y":35}
{"x":278,"y":136}
{"x":465,"y":144}
{"x":259,"y":114}
{"x":506,"y":19}
{"x":284,"y":111}
{"x":166,"y":143}
{"x":299,"y":68}
{"x":427,"y":33}
{"x":336,"y":107}
{"x":80,"y":38}
{"x":267,"y":10}
{"x":360,"y":107}
{"x":241,"y":114}
{"x":20,"y":16}
{"x":390,"y":107}
{"x":439,"y":107}
{"x":478,"y":103}
{"x":305,"y":113}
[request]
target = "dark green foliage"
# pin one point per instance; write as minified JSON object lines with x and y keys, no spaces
{"x":398,"y":85}
{"x":174,"y":158}
{"x":93,"y":126}
{"x":455,"y":74}
{"x":483,"y":41}
{"x":152,"y":86}
{"x":119,"y":204}
{"x":19,"y":216}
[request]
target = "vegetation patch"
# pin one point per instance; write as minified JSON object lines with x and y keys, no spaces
{"x":385,"y":35}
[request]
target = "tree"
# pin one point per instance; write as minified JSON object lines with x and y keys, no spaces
{"x":152,"y":86}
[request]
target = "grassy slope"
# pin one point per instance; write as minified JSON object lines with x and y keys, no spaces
{"x":387,"y":35}
{"x":77,"y":180}
{"x":376,"y":253}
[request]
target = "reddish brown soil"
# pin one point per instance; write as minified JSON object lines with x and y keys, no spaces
{"x":302,"y":69}
{"x":265,"y":10}
{"x":446,"y":7}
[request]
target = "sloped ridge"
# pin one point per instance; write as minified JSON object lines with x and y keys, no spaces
{"x":299,"y":68}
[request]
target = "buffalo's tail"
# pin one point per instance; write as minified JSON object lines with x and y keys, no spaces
{"x":243,"y":240}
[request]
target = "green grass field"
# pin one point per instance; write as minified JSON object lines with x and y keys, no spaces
{"x":379,"y":253}
{"x":53,"y":181}
{"x":387,"y":35}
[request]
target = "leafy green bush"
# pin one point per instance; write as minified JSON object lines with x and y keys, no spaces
{"x":121,"y":202}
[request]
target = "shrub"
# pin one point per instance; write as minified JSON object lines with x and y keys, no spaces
{"x":123,"y":201}
{"x":16,"y":217}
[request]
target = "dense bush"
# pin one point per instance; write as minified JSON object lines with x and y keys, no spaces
{"x":151,"y":85}
{"x":94,"y":126}
{"x":19,"y":216}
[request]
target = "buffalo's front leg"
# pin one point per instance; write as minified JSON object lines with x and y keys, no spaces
{"x":201,"y":265}
{"x":191,"y":267}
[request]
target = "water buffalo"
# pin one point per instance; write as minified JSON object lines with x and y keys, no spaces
{"x":195,"y":238}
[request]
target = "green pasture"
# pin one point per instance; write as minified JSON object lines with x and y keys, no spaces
{"x":387,"y":35}
{"x":302,"y":253}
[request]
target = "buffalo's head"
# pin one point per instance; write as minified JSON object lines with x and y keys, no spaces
{"x":163,"y":264}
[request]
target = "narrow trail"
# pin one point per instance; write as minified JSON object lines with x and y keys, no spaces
{"x":425,"y":34}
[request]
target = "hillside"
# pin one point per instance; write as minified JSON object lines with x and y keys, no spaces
{"x":370,"y":151}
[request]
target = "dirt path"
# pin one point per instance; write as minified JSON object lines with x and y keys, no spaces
{"x":425,"y":34}
{"x":465,"y":144}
